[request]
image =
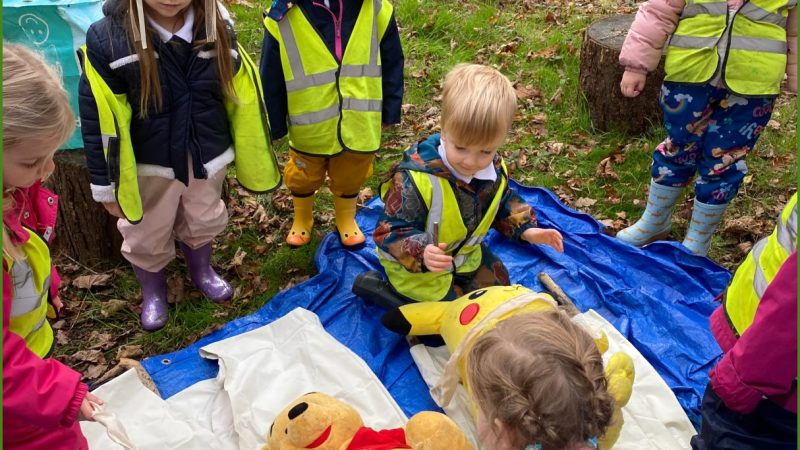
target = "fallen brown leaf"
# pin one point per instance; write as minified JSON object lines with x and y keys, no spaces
{"x":583,"y":202}
{"x":604,"y":170}
{"x":90,"y":281}
{"x":109,"y":307}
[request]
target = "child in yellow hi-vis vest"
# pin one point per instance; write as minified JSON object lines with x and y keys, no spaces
{"x":43,"y":399}
{"x":725,"y":61}
{"x":168,"y":99}
{"x":333,"y":74}
{"x":448,"y":190}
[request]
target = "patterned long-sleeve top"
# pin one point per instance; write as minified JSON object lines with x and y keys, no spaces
{"x":401,"y":226}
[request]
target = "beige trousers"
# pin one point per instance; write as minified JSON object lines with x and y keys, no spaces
{"x":192,"y":214}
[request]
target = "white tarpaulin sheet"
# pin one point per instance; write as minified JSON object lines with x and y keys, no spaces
{"x":653,"y":417}
{"x":261,"y":371}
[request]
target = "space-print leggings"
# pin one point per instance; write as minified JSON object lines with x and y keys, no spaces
{"x":710,"y":131}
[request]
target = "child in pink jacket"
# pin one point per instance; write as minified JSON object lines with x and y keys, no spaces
{"x":751,"y":401}
{"x":724,"y":67}
{"x":43,"y":399}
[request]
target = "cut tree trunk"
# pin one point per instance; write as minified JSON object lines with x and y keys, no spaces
{"x":601,"y":74}
{"x":85,"y":231}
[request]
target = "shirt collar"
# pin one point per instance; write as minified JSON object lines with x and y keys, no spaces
{"x":184,"y":33}
{"x":487,"y":173}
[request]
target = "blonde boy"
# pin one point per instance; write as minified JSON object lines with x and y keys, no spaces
{"x":447,"y":192}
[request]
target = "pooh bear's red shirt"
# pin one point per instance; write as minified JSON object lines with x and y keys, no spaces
{"x":369,"y":439}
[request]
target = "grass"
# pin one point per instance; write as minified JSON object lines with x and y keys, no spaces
{"x":552,"y":131}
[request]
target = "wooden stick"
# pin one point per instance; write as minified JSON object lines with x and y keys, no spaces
{"x":561,"y":297}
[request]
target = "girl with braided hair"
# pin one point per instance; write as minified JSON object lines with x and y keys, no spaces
{"x":539,"y":384}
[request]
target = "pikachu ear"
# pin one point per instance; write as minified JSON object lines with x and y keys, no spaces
{"x":416,"y":319}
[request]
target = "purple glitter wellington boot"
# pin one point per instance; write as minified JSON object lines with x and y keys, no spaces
{"x":154,"y":298}
{"x":203,"y":275}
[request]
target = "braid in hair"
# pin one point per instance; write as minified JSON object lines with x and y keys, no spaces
{"x":541,"y":376}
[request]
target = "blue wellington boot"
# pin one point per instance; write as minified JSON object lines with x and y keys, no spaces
{"x":705,"y":219}
{"x":655,"y":222}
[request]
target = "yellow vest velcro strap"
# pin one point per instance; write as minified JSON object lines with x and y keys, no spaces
{"x":756,"y":13}
{"x":302,"y":81}
{"x":361,"y":70}
{"x":758,"y":44}
{"x":692,"y":41}
{"x":315,"y":117}
{"x":357,"y":104}
{"x":712,"y":9}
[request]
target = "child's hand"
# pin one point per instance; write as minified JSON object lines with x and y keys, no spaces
{"x":435,"y":258}
{"x":57,"y":303}
{"x":87,"y":411}
{"x":544,"y":236}
{"x":114,"y":209}
{"x":632,"y":83}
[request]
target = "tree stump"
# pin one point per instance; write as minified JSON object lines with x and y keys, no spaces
{"x":601,"y":73}
{"x":85,"y":231}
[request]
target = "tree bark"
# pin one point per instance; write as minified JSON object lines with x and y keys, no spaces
{"x":601,"y":73}
{"x":85,"y":231}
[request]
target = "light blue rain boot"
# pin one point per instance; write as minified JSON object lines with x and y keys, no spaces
{"x":705,"y":219}
{"x":655,"y":221}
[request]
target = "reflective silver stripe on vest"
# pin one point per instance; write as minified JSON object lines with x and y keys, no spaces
{"x":26,"y":299}
{"x":759,"y":279}
{"x":712,"y":9}
{"x":355,"y":70}
{"x":385,"y":255}
{"x":301,"y":80}
{"x":459,"y":260}
{"x":787,"y":234}
{"x":316,"y":116}
{"x":756,"y":13}
{"x":292,"y":53}
{"x":758,"y":44}
{"x":356,"y":104}
{"x":374,"y":49}
{"x":436,"y":208}
{"x":475,"y":240}
{"x":692,"y":41}
{"x":307,"y":81}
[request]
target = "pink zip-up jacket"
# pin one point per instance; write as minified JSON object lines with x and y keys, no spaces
{"x":41,"y":397}
{"x":763,"y":361}
{"x":655,"y":22}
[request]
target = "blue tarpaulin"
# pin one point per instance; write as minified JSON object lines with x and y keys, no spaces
{"x":659,"y":298}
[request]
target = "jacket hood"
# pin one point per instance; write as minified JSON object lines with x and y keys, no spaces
{"x":424,"y":157}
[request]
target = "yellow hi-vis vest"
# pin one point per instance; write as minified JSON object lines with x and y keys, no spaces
{"x":759,"y":268}
{"x":333,"y":106}
{"x":30,"y":279}
{"x":256,"y":165}
{"x":442,"y":209}
{"x":756,"y":57}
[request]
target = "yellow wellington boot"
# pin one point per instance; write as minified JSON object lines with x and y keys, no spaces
{"x":300,"y":233}
{"x":349,"y":233}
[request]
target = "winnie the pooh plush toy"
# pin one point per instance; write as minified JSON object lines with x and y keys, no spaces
{"x":320,"y":422}
{"x":465,"y":319}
